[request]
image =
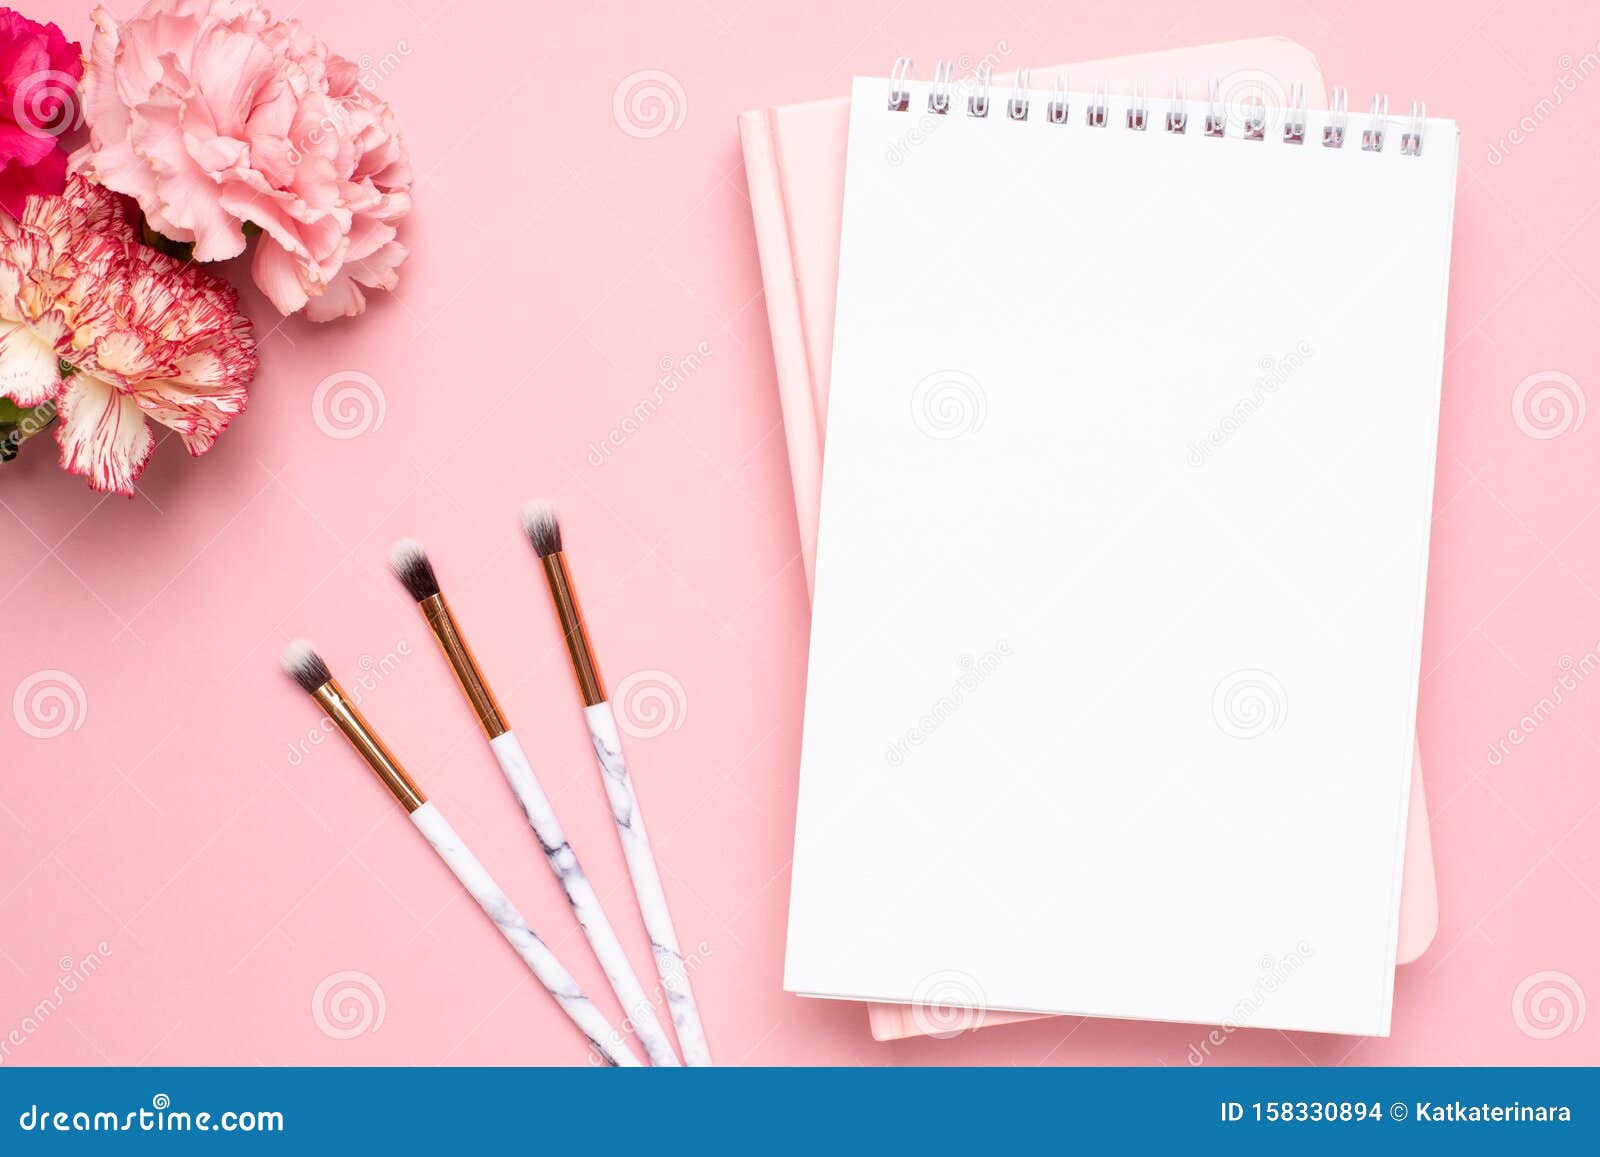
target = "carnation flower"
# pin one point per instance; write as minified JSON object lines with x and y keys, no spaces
{"x":213,"y":115}
{"x":39,"y":73}
{"x":117,"y":334}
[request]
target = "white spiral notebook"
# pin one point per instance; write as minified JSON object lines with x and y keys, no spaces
{"x":1123,"y":548}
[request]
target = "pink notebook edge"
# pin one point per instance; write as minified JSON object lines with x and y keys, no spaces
{"x":799,"y":352}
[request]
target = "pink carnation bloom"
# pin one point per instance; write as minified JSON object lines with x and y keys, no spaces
{"x":211,"y":114}
{"x":149,"y":338}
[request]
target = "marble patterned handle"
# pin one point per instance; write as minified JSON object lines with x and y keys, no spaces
{"x":581,"y":895}
{"x":646,"y":883}
{"x":534,"y":952}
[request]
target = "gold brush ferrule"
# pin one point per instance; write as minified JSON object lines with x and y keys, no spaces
{"x":445,"y":629}
{"x":365,"y":740}
{"x":590,"y":685}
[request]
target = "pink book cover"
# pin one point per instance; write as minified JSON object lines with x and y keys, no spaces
{"x":794,"y":162}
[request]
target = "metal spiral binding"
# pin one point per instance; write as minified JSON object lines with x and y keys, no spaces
{"x":1097,"y":111}
{"x":1178,"y":107}
{"x":939,"y":94}
{"x":1372,"y":135}
{"x":978,"y":102}
{"x":900,"y":84}
{"x":1139,"y":107}
{"x":1017,"y":105}
{"x":1294,"y":116}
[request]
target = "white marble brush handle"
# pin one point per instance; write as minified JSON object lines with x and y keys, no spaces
{"x":534,"y":952}
{"x":581,"y":895}
{"x":646,"y":883}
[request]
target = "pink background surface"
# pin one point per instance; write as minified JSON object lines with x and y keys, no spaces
{"x":225,"y":870}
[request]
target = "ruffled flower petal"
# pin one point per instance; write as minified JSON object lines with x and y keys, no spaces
{"x":29,"y":370}
{"x":102,"y":434}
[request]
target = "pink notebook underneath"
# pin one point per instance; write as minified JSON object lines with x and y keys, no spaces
{"x":794,"y":161}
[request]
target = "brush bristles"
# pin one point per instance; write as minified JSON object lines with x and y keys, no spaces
{"x":305,"y":666}
{"x":540,"y":525}
{"x":411,"y":566}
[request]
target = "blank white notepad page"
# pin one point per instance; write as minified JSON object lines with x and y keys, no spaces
{"x":1120,"y":577}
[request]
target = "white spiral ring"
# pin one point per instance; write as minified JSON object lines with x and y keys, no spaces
{"x":650,"y":703}
{"x":1548,"y":404}
{"x":1548,"y":1004}
{"x":348,"y":1004}
{"x":49,"y":703}
{"x":948,"y":1003}
{"x":348,"y":404}
{"x":949,"y":404}
{"x":1248,"y":704}
{"x":648,"y":103}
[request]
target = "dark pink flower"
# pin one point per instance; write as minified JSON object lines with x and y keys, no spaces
{"x":39,"y":74}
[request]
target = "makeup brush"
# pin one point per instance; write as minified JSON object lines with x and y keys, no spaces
{"x":307,"y":669}
{"x":411,"y":566}
{"x":544,"y":532}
